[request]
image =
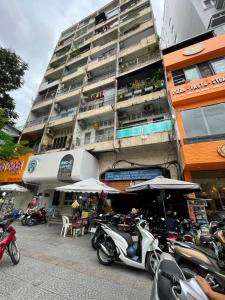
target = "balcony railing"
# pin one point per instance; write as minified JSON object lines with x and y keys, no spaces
{"x":128,"y":93}
{"x":63,"y":115}
{"x":97,"y":139}
{"x":138,"y":61}
{"x":69,"y":89}
{"x":104,"y":56}
{"x":46,"y":96}
{"x":97,"y":103}
{"x":66,"y":42}
{"x":145,"y":129}
{"x":103,"y":77}
{"x":37,"y":121}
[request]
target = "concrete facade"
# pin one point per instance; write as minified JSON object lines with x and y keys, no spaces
{"x":184,"y":19}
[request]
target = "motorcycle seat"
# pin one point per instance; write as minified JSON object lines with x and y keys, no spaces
{"x":206,"y":251}
{"x":125,"y":235}
{"x":170,"y":267}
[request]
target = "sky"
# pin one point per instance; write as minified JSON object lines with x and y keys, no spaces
{"x":32,"y":28}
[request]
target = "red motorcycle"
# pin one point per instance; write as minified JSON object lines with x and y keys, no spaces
{"x":8,"y":241}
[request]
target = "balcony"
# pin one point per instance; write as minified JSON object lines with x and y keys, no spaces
{"x":35,"y":125}
{"x":134,"y":5}
{"x":73,"y":73}
{"x":62,"y":118}
{"x":139,"y":13}
{"x":138,"y":62}
{"x":138,"y":46}
{"x":97,"y":104}
{"x":69,"y":91}
{"x":145,"y":129}
{"x":48,"y":85}
{"x":102,"y":60}
{"x":100,"y":81}
{"x":65,"y":43}
{"x":136,"y":29}
{"x":46,"y":96}
{"x":108,"y":31}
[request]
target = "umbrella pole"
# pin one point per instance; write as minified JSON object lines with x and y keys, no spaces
{"x":162,"y":197}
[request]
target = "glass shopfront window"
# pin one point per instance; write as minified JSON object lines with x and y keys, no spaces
{"x":213,"y":187}
{"x":204,"y":121}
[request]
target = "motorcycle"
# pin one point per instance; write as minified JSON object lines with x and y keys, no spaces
{"x":119,"y":246}
{"x":195,"y":260}
{"x":170,"y":282}
{"x":36,"y":217}
{"x":8,"y":241}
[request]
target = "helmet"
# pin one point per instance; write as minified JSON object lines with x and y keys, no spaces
{"x":131,"y":251}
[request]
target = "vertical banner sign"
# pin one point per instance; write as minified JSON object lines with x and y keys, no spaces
{"x":65,"y":168}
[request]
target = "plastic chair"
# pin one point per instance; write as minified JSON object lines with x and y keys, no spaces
{"x":66,"y":225}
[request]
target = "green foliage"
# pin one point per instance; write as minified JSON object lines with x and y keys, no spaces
{"x":138,"y":85}
{"x":154,"y":48}
{"x":9,"y":150}
{"x":3,"y":119}
{"x":75,"y":52}
{"x":11,"y":78}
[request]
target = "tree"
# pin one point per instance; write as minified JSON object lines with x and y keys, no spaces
{"x":11,"y":78}
{"x":8,"y":148}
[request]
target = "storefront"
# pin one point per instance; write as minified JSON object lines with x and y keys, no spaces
{"x":196,"y":81}
{"x":12,"y":172}
{"x":48,"y":171}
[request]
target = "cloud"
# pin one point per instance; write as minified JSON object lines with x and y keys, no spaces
{"x":32,"y":29}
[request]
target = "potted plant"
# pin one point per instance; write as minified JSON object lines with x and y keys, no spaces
{"x":55,"y":64}
{"x":137,"y":86}
{"x":75,"y":52}
{"x":149,"y":86}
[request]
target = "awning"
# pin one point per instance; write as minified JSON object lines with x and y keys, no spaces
{"x":90,"y":185}
{"x":162,"y":183}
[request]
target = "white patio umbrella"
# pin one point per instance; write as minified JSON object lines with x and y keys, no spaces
{"x":90,"y":185}
{"x":12,"y":188}
{"x":162,"y":183}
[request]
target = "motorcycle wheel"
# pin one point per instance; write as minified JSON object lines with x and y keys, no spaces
{"x":93,"y":242}
{"x":14,"y":252}
{"x":30,"y":222}
{"x":24,"y":221}
{"x":152,"y":262}
{"x":103,"y":258}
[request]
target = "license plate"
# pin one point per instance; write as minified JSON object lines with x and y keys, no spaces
{"x":93,"y":230}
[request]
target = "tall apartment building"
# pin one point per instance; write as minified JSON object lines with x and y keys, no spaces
{"x":184,"y":19}
{"x":104,"y":92}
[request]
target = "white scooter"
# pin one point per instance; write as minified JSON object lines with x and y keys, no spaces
{"x":118,"y":246}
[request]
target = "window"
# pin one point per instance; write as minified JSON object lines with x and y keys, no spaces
{"x":208,"y":4}
{"x":217,"y":19}
{"x":87,"y":138}
{"x":202,"y":70}
{"x":59,"y":142}
{"x":218,"y":65}
{"x":205,"y":69}
{"x":192,"y":74}
{"x":202,"y":121}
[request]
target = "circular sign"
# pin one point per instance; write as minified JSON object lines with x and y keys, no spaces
{"x":32,"y":165}
{"x":193,"y":49}
{"x":221,"y":150}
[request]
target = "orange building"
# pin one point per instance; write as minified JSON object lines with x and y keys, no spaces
{"x":196,"y":82}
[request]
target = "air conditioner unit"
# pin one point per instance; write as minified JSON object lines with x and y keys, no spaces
{"x":49,"y":132}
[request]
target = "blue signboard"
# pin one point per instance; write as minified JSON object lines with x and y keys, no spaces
{"x":143,"y":174}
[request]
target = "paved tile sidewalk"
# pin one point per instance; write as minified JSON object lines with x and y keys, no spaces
{"x":53,"y":267}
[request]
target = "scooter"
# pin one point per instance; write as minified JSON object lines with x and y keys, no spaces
{"x":8,"y":241}
{"x":119,"y":246}
{"x":195,"y":260}
{"x":170,"y":282}
{"x":36,"y":217}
